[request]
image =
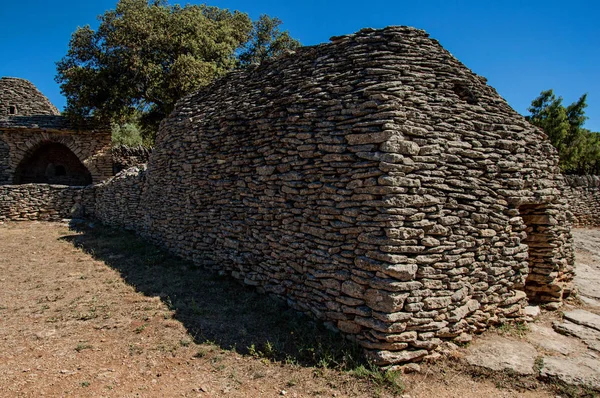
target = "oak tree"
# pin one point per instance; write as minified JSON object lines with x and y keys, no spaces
{"x":145,"y":55}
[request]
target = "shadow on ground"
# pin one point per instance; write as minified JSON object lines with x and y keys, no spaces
{"x":215,"y":308}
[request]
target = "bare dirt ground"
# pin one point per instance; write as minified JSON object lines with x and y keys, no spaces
{"x":99,"y":313}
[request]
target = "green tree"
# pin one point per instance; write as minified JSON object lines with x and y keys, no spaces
{"x":130,"y":133}
{"x":266,"y":41}
{"x":577,"y":147}
{"x":145,"y":55}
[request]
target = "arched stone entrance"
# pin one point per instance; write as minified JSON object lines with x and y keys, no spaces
{"x":4,"y":164}
{"x":52,"y":163}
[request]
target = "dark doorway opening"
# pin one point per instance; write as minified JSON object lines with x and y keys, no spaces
{"x":52,"y":163}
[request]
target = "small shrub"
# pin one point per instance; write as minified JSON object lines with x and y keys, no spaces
{"x":129,"y":134}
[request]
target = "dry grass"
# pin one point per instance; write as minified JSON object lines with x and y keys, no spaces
{"x":98,"y":312}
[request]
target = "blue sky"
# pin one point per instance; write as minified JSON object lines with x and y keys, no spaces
{"x":522,"y":47}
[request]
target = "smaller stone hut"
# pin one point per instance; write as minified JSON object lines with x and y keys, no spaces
{"x":38,"y":145}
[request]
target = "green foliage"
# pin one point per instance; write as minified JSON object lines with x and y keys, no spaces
{"x":380,"y":377}
{"x":518,"y":329}
{"x":129,"y":134}
{"x":145,"y":55}
{"x":578,"y":148}
{"x":266,"y":41}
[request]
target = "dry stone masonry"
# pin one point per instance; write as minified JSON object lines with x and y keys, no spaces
{"x":125,"y":156}
{"x":37,"y":145}
{"x":45,"y":202}
{"x":583,"y":195}
{"x":21,"y":97}
{"x":118,"y":200}
{"x":374,"y":182}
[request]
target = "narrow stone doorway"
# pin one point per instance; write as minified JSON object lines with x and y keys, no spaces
{"x":542,"y":283}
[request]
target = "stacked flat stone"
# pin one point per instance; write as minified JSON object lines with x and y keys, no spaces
{"x":45,"y":202}
{"x":583,"y":194}
{"x":125,"y":156}
{"x":38,"y":122}
{"x":374,"y":182}
{"x":117,"y":201}
{"x":24,"y":97}
{"x":92,"y":148}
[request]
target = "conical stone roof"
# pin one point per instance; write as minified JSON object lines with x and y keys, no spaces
{"x":20,"y":97}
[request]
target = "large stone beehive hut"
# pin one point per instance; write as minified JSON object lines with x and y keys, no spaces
{"x":37,"y":145}
{"x":375,"y":182}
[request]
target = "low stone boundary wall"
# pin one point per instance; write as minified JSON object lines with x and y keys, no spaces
{"x":45,"y":202}
{"x":583,"y":195}
{"x":118,"y":199}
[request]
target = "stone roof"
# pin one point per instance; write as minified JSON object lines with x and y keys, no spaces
{"x":374,"y":181}
{"x":21,"y":97}
{"x":46,"y":122}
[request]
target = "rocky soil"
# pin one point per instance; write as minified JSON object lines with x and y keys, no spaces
{"x":562,"y":346}
{"x":96,"y":312}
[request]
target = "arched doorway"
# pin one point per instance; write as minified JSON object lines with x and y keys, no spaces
{"x":52,"y":163}
{"x":5,"y":175}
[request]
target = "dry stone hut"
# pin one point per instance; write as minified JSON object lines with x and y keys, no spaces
{"x":37,"y":145}
{"x":374,"y":181}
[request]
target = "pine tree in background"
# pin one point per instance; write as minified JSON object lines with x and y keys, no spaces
{"x":578,"y":148}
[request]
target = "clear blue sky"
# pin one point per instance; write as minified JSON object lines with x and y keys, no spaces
{"x":522,"y":47}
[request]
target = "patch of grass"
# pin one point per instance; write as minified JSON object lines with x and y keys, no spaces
{"x":82,"y":346}
{"x":135,"y":350}
{"x":538,"y":364}
{"x":86,"y":316}
{"x":517,"y":329}
{"x":43,"y":308}
{"x":291,"y":382}
{"x":268,"y":351}
{"x":388,"y":379}
{"x":85,"y":383}
{"x":140,"y":328}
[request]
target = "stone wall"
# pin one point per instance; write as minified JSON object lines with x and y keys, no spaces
{"x":583,"y":195}
{"x":21,"y":97}
{"x":92,"y":148}
{"x":125,"y":157}
{"x":45,"y":202}
{"x":118,"y":199}
{"x":374,"y":182}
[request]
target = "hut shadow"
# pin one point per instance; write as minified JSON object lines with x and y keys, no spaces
{"x":213,"y":308}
